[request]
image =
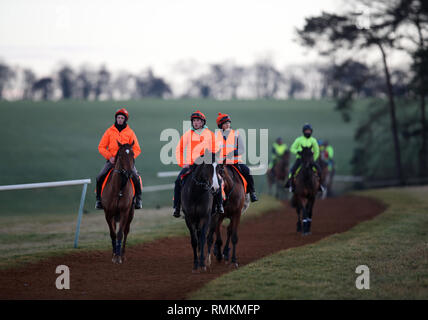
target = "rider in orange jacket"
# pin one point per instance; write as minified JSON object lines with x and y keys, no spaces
{"x":108,"y":147}
{"x":232,"y":147}
{"x":192,"y":145}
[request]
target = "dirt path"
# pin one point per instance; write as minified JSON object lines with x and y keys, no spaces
{"x":162,"y":269}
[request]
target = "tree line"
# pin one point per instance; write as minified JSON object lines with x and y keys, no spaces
{"x":393,"y":137}
{"x":262,"y":80}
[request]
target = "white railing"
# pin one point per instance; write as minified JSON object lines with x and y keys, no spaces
{"x":85,"y":183}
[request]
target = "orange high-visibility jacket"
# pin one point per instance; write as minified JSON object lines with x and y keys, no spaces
{"x":108,"y":146}
{"x":228,"y":146}
{"x":194,"y":144}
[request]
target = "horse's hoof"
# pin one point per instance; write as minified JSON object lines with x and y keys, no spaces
{"x":236,"y":265}
{"x":204,"y":269}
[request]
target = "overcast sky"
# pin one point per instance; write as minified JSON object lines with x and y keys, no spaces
{"x":132,"y":35}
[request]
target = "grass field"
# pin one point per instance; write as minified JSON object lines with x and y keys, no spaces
{"x":26,"y":239}
{"x":394,"y":246}
{"x":53,"y":141}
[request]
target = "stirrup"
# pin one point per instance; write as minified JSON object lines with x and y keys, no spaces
{"x":138,"y":204}
{"x":253,"y":197}
{"x":176,"y":213}
{"x":98,"y":205}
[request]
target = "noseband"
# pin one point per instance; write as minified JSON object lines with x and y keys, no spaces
{"x":203,"y":184}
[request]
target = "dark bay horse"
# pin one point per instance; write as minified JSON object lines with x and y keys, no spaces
{"x":307,"y":184}
{"x":327,"y":173}
{"x":197,"y":197}
{"x":278,"y":174}
{"x":236,"y":203}
{"x":118,"y":200}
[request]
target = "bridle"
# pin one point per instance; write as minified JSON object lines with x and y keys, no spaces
{"x":203,"y":184}
{"x":125,"y":174}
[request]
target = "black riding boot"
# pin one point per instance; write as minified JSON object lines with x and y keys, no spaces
{"x":100,"y":179}
{"x":289,"y":184}
{"x":177,"y":198}
{"x":250,"y":181}
{"x":98,"y":204}
{"x":137,"y":185}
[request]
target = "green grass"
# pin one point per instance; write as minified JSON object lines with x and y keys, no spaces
{"x":394,"y":246}
{"x":52,"y":141}
{"x":25,"y":239}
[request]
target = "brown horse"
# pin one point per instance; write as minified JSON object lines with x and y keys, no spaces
{"x":278,"y":173}
{"x":324,"y":175}
{"x":307,"y":185}
{"x":235,"y":204}
{"x":118,"y":200}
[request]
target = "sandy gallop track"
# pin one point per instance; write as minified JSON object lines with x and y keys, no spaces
{"x":162,"y":269}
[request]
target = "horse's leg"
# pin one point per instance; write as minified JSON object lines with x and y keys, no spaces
{"x":219,"y":241}
{"x":112,"y":227}
{"x":226,"y":248}
{"x":194,"y":242}
{"x":235,"y":223}
{"x":202,"y":240}
{"x":126,"y":230}
{"x":311,"y":203}
{"x":305,"y":219}
{"x":210,"y":237}
{"x":299,"y":220}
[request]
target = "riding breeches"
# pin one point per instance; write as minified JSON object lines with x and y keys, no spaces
{"x":177,"y":187}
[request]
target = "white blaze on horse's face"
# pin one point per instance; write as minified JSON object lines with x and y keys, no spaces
{"x":215,"y":185}
{"x":127,"y":151}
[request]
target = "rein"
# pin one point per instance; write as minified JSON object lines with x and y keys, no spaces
{"x":233,"y":185}
{"x":126,"y":175}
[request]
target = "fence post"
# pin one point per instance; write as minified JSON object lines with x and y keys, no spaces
{"x":79,"y":217}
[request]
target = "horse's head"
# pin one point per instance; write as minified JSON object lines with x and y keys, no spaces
{"x":307,"y":156}
{"x":205,"y":171}
{"x":125,"y":156}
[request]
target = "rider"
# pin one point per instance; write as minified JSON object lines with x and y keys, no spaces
{"x":232,"y":147}
{"x":194,"y":141}
{"x":326,"y":153}
{"x":304,"y":141}
{"x":278,"y":150}
{"x":108,"y":147}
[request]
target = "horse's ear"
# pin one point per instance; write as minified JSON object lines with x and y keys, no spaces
{"x":119,"y":144}
{"x":133,"y":142}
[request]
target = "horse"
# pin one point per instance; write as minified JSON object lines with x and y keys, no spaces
{"x":278,"y":173}
{"x":197,"y":198}
{"x":324,"y":175}
{"x":306,"y":187}
{"x":237,"y":201}
{"x":118,"y":200}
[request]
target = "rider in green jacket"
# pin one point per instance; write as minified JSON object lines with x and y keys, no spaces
{"x":304,"y":141}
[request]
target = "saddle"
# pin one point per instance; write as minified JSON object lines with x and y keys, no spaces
{"x":106,"y":179}
{"x":244,"y":181}
{"x":293,"y":178}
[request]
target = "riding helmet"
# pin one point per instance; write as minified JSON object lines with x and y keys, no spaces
{"x":222,"y":118}
{"x":123,"y":112}
{"x":198,"y":114}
